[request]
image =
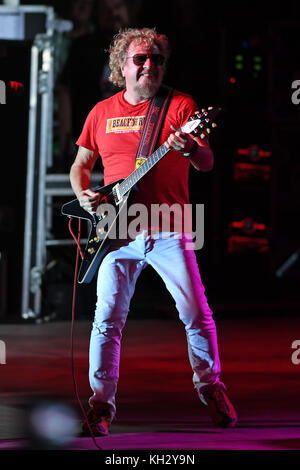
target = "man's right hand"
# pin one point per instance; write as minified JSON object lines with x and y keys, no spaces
{"x":89,"y":200}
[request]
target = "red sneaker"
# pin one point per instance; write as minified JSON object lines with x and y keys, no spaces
{"x":220,"y":407}
{"x":99,"y":423}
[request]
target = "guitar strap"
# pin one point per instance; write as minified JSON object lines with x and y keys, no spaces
{"x":154,"y":119}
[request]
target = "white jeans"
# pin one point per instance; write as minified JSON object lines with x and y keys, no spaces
{"x":115,"y":287}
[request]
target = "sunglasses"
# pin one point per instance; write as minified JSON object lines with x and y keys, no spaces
{"x":140,"y":59}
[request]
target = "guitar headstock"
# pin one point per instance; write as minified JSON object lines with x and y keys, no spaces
{"x":201,"y":123}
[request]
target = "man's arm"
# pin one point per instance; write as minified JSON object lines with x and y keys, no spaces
{"x":80,"y":177}
{"x":200,"y":154}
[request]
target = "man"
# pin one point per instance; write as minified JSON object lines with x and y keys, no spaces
{"x":137,"y":61}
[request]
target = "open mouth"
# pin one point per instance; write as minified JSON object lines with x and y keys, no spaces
{"x":146,"y":75}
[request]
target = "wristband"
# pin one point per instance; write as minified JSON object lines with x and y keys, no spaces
{"x":193,"y":149}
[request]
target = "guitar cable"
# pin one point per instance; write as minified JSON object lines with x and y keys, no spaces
{"x":78,"y":252}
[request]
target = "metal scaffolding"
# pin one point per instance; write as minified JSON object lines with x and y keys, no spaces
{"x":41,"y":186}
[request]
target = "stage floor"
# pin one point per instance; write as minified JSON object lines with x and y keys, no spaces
{"x":158,"y":407}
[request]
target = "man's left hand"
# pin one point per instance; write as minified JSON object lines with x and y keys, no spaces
{"x":180,"y":141}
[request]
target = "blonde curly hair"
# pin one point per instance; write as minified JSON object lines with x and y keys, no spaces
{"x":121,"y":42}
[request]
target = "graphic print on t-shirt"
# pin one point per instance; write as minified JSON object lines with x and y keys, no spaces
{"x":124,"y":124}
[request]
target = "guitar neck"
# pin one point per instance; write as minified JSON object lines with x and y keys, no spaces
{"x":139,"y":172}
{"x":198,"y":121}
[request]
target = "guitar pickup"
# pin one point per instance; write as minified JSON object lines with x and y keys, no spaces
{"x":117,"y":194}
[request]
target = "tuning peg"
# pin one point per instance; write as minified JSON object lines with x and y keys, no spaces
{"x":213,"y":124}
{"x":210,"y":108}
{"x":202,"y":136}
{"x":208,"y":130}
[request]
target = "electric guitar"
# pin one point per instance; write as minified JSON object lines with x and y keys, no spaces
{"x":114,"y":197}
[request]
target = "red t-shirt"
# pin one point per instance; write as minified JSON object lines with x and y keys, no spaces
{"x":113,"y":128}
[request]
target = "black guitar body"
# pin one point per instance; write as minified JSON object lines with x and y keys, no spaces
{"x":101,"y":224}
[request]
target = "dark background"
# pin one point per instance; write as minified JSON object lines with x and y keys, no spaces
{"x":240,"y":56}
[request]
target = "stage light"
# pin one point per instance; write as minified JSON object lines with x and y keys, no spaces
{"x":52,"y":425}
{"x":248,"y":236}
{"x":248,"y":225}
{"x":254,"y":152}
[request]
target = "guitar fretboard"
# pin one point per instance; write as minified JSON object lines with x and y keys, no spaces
{"x":137,"y":174}
{"x":199,"y":120}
